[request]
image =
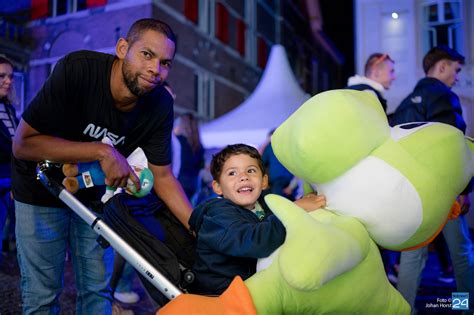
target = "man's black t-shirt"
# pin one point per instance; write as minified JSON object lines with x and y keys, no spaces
{"x":76,"y":104}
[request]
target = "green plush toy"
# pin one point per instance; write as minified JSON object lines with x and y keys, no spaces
{"x":392,"y":187}
{"x":388,"y":186}
{"x":327,"y":265}
{"x":398,"y":182}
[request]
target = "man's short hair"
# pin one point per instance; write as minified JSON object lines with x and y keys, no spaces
{"x":140,"y":26}
{"x":221,"y":157}
{"x":438,"y":53}
{"x":374,"y":60}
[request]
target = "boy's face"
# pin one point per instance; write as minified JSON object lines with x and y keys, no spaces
{"x":241,"y":181}
{"x":450,"y":74}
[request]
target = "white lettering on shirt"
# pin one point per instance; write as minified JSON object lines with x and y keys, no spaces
{"x":99,"y":133}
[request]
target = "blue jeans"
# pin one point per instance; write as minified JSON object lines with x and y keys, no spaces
{"x":3,"y":216}
{"x":43,"y":234}
{"x":456,"y":233}
{"x":125,"y":283}
{"x":6,"y":208}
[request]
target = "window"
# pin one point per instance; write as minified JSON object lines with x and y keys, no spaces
{"x":204,"y":95}
{"x":241,"y":29}
{"x":53,"y":8}
{"x":230,"y":27}
{"x":191,"y":10}
{"x":39,"y":9}
{"x":87,"y":4}
{"x":222,"y":23}
{"x":442,"y":24}
{"x":262,"y":52}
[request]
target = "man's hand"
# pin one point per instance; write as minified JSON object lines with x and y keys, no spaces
{"x":116,"y":169}
{"x":311,"y":202}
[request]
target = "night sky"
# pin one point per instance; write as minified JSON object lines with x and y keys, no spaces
{"x":338,"y":24}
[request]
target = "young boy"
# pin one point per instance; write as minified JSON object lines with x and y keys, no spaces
{"x":234,"y":231}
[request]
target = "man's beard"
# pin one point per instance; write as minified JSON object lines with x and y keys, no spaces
{"x":131,"y":81}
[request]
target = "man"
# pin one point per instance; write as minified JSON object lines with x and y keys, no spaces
{"x":379,"y":75}
{"x":433,"y":100}
{"x":90,"y":95}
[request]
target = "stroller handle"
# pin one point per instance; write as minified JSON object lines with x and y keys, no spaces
{"x":123,"y":248}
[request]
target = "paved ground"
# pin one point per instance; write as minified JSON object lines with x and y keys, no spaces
{"x":429,"y":291}
{"x":10,"y":302}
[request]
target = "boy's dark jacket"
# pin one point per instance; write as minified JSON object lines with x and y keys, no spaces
{"x":431,"y":100}
{"x":230,"y":239}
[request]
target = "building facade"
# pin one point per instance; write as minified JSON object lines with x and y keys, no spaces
{"x":406,"y":30}
{"x":222,"y":45}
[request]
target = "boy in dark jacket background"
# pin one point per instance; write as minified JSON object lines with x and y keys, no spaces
{"x":432,"y":100}
{"x":234,"y":231}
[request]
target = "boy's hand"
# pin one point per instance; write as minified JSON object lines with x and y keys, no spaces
{"x":311,"y":202}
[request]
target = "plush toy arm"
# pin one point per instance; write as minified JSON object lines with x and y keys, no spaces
{"x":317,"y":249}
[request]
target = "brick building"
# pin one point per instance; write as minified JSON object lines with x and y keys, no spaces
{"x":223,"y":45}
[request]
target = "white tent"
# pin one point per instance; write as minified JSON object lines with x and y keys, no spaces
{"x":275,"y":98}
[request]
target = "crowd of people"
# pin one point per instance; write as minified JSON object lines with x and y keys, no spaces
{"x":432,"y":100}
{"x":128,"y":95}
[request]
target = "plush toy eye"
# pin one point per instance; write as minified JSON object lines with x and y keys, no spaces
{"x":404,"y":130}
{"x":412,"y":125}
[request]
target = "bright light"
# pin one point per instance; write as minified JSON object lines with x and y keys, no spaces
{"x":394,"y":15}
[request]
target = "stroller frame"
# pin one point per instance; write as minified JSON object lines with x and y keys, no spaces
{"x":106,"y":235}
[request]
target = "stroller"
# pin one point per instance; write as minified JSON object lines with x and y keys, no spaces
{"x":163,"y":267}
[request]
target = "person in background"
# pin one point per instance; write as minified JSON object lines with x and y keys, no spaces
{"x":281,"y":181}
{"x":204,"y":191}
{"x":192,"y":152}
{"x":433,"y":100}
{"x":88,"y":94}
{"x":8,"y":123}
{"x":175,"y":144}
{"x":379,"y":73}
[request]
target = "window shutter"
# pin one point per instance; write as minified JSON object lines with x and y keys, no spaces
{"x":222,"y":22}
{"x":39,"y":9}
{"x":241,"y":28}
{"x":191,"y":10}
{"x":95,"y":3}
{"x":262,"y":52}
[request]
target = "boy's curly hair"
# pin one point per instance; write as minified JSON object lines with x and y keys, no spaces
{"x":221,"y":157}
